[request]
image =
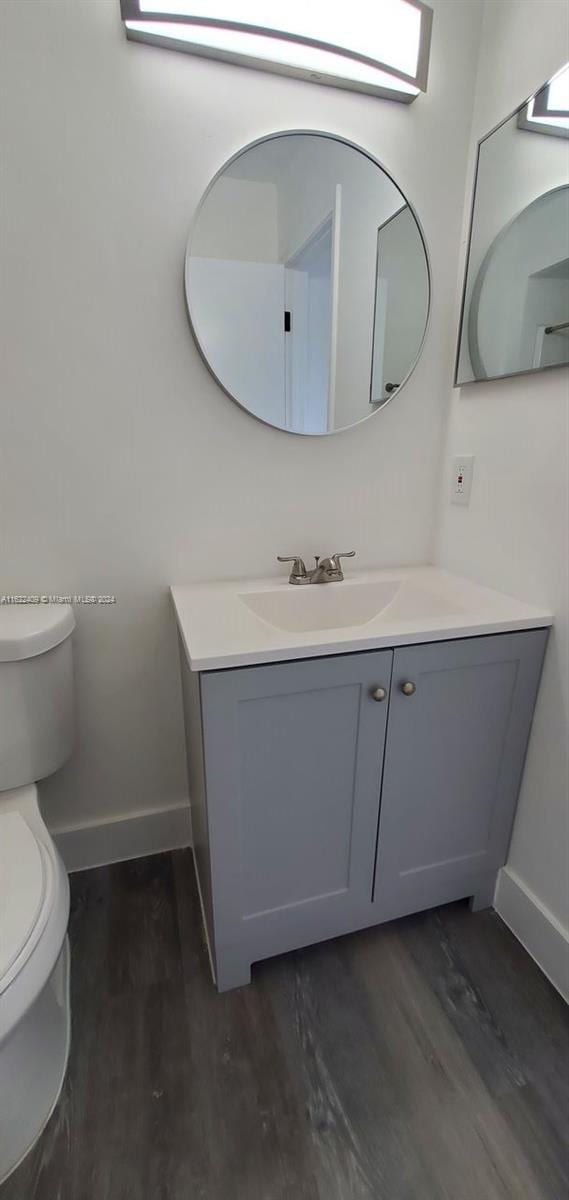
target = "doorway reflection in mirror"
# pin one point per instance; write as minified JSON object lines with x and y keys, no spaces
{"x":307,"y":282}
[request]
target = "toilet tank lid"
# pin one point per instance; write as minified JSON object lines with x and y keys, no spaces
{"x":29,"y":629}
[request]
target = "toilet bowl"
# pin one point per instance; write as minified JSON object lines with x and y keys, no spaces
{"x":36,"y":730}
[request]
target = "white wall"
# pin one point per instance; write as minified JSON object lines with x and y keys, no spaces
{"x":235,"y":292}
{"x":514,"y":535}
{"x":123,"y":466}
{"x":238,"y":221}
{"x":237,"y":313}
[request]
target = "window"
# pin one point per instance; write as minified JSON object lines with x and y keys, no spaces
{"x":375,"y":46}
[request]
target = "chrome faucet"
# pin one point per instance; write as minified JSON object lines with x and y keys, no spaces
{"x":327,"y":570}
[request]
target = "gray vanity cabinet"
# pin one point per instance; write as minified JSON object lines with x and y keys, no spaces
{"x":293,"y":756}
{"x":453,"y":764}
{"x":334,"y":793}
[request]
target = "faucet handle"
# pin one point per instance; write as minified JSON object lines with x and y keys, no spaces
{"x":298,"y":569}
{"x":334,"y":565}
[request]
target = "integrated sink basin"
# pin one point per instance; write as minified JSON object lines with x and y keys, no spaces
{"x":346,"y":605}
{"x":239,"y":623}
{"x":321,"y":606}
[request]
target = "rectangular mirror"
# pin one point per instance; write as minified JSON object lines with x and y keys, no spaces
{"x":515,"y":307}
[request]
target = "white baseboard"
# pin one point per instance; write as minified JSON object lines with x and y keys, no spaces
{"x":100,"y":842}
{"x":539,"y":931}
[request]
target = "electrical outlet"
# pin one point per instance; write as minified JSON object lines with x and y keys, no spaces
{"x":461,"y":486}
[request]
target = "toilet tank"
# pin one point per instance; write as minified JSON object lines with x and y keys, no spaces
{"x":36,"y":691}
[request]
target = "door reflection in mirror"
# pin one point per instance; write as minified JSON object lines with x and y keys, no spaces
{"x":302,"y":311}
{"x":401,"y":301}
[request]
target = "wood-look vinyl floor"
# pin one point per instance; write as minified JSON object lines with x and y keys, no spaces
{"x":427,"y":1059}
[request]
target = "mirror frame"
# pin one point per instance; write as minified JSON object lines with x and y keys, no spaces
{"x":269,"y":137}
{"x":464,"y":326}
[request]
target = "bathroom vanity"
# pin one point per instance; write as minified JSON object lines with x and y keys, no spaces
{"x":355,"y":751}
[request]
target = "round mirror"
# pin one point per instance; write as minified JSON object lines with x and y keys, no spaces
{"x":307,"y":283}
{"x":520,"y":301}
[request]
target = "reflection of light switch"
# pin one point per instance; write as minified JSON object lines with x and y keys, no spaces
{"x":463,"y":467}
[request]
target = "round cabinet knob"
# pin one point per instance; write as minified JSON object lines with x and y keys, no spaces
{"x":408,"y":688}
{"x":378,"y":694}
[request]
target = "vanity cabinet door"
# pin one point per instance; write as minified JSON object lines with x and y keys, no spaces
{"x":453,"y":763}
{"x":293,"y":759}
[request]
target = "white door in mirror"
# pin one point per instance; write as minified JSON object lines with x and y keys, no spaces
{"x":461,"y":486}
{"x":307,"y":282}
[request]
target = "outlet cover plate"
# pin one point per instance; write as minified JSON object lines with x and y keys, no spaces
{"x":461,"y":483}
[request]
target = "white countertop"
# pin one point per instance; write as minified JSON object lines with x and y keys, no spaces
{"x":218,"y":630}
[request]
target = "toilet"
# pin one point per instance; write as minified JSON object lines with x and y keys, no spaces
{"x":36,"y":735}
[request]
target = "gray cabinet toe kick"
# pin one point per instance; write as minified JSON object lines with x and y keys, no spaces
{"x":331,"y":794}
